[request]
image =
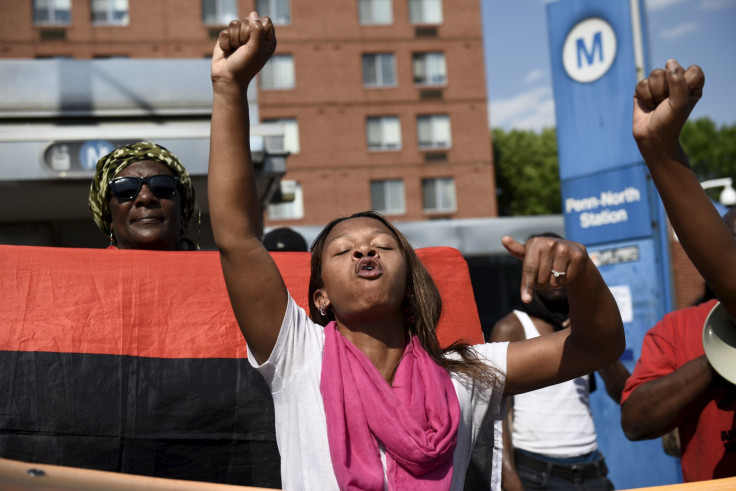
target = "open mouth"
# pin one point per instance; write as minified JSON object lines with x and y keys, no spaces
{"x":368,"y":267}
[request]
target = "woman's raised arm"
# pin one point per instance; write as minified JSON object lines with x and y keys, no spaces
{"x":254,"y":284}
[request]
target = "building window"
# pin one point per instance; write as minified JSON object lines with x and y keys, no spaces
{"x":425,"y":11}
{"x":278,"y":73}
{"x":278,"y":10}
{"x":291,"y":133}
{"x":429,"y":69}
{"x":219,"y":12}
{"x":375,"y":12}
{"x":110,"y":12}
{"x":438,"y":195}
{"x":388,"y":196}
{"x":384,"y":133}
{"x":52,"y":12}
{"x":289,"y":210}
{"x":379,"y":70}
{"x":433,"y":131}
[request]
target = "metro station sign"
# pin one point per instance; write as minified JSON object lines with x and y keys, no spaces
{"x":75,"y":158}
{"x":589,"y":50}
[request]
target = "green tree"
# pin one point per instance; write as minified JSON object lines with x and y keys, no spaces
{"x":527,"y":174}
{"x":712,"y":150}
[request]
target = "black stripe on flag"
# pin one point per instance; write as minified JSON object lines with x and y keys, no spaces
{"x":205,"y":419}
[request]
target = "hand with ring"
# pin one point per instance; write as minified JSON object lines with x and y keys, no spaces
{"x":547,"y":262}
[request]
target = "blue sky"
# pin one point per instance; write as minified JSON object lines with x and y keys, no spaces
{"x":519,"y":78}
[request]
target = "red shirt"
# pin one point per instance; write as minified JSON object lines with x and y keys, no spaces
{"x":708,"y":433}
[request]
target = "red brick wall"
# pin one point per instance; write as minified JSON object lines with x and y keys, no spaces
{"x":156,"y":29}
{"x":689,"y":285}
{"x":331,"y":104}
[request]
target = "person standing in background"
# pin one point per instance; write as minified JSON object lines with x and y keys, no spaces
{"x":549,"y":437}
{"x":142,"y":197}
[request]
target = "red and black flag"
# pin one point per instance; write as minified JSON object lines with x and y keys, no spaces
{"x":131,"y":361}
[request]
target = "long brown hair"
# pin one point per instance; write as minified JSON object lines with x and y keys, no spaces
{"x":422,"y":305}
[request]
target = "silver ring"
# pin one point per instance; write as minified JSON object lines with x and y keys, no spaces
{"x":557,"y":274}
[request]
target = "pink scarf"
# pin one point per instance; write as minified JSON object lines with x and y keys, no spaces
{"x":416,"y":420}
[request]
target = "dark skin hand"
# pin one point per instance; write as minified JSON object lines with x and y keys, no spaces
{"x":595,"y":337}
{"x":662,"y":104}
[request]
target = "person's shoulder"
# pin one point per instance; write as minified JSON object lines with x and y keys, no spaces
{"x":508,"y":328}
{"x":705,"y":307}
{"x":688,"y":315}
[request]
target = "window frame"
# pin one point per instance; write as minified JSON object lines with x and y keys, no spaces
{"x":434,"y":120}
{"x":291,"y":133}
{"x":268,"y":11}
{"x":110,"y":13}
{"x":373,"y":7}
{"x":379,"y":71}
{"x":423,"y":6}
{"x":51,"y":10}
{"x":222,"y":16}
{"x":385,"y":144}
{"x":279,"y":211}
{"x":424,"y":57}
{"x":438,"y":191}
{"x":388,"y":210}
{"x":270,"y":69}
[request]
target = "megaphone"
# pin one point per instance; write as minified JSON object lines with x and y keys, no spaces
{"x":719,"y":342}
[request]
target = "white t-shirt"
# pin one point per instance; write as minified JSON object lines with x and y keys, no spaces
{"x":555,"y":421}
{"x":293,"y":373}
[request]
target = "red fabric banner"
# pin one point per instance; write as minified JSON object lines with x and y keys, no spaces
{"x":165,"y":304}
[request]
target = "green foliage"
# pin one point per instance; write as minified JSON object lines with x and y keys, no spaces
{"x":527,"y":173}
{"x":711,"y":150}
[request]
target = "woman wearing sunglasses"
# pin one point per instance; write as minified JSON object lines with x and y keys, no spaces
{"x":142,"y":198}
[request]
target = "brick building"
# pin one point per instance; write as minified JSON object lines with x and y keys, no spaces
{"x":389,"y":100}
{"x":383,"y":102}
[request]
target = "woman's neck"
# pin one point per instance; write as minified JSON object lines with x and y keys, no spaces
{"x":383,"y":343}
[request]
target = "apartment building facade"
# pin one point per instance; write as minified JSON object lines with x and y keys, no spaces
{"x":384,"y":106}
{"x":382,"y":102}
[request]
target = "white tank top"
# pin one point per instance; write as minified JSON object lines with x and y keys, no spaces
{"x":556,"y":420}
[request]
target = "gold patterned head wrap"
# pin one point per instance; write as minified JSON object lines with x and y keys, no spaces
{"x":111,"y":164}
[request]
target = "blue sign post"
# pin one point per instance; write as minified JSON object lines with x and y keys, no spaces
{"x":608,"y":200}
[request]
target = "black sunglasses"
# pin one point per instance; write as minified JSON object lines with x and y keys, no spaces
{"x":125,"y":188}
